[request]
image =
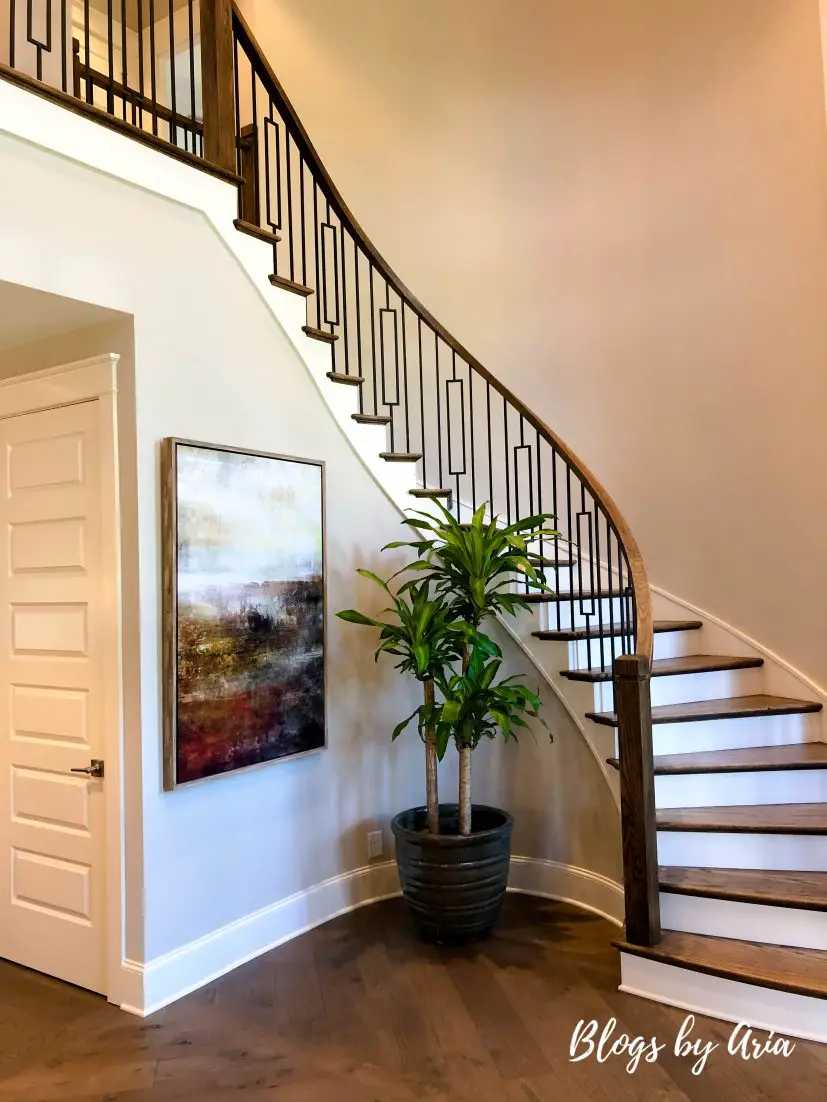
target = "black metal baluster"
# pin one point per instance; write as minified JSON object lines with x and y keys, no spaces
{"x":376,"y":391}
{"x":302,"y":217}
{"x":359,"y":370}
{"x":153,"y":86}
{"x":345,"y":337}
{"x":12,"y":12}
{"x":191,"y":30}
{"x":471,"y":376}
{"x":64,"y":47}
{"x":408,"y":447}
{"x":438,"y":411}
{"x":173,"y":128}
{"x":611,"y":592}
{"x":289,"y":175}
{"x":505,"y":448}
{"x":422,"y":401}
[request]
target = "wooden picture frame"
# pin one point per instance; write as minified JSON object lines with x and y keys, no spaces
{"x":244,"y":671}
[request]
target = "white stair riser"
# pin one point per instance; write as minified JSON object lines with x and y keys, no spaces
{"x":681,"y":688}
{"x":724,"y":850}
{"x":735,"y":734}
{"x":694,"y":914}
{"x":584,"y":653}
{"x":790,"y":786}
{"x":788,"y":1014}
{"x":581,"y":614}
{"x":676,"y":644}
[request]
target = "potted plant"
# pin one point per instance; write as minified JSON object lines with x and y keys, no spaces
{"x":453,"y":858}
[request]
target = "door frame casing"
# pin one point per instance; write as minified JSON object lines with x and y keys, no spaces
{"x":95,"y":380}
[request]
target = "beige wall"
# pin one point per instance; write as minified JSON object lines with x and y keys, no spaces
{"x":204,"y":359}
{"x":621,"y":207}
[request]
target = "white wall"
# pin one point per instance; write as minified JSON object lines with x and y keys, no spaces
{"x":620,"y":208}
{"x":210,"y":363}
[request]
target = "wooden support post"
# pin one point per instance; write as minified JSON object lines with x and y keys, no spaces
{"x":637,"y":798}
{"x":218,"y":84}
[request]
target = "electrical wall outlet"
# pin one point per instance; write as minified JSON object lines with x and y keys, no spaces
{"x":374,"y":843}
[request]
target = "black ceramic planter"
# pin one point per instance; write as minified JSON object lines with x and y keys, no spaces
{"x":453,"y":884}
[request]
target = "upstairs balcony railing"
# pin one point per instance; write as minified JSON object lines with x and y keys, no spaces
{"x":189,"y":77}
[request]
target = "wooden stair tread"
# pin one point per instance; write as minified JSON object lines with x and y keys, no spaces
{"x":804,"y":755}
{"x":747,"y":819}
{"x":370,"y":418}
{"x":548,"y":562}
{"x":290,"y":285}
{"x":659,"y":627}
{"x":348,"y":380}
{"x":800,"y":971}
{"x":666,"y":667}
{"x":319,"y":334}
{"x":733,"y":707}
{"x":423,"y":491}
{"x":270,"y":236}
{"x":401,"y":457}
{"x":806,"y":890}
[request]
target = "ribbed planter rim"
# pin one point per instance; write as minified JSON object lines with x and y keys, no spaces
{"x":422,"y":836}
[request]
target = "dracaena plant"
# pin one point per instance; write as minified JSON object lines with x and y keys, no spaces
{"x":425,"y":636}
{"x":462,"y":576}
{"x":472,"y":566}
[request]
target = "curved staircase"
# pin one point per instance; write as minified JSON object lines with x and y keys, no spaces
{"x":738,"y":775}
{"x":717,"y":762}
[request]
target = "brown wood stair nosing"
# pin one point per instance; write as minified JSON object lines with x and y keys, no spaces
{"x":290,"y":285}
{"x":319,"y":334}
{"x":424,"y":491}
{"x":746,"y":819}
{"x":574,"y":634}
{"x":253,"y":230}
{"x":370,"y":419}
{"x":348,"y":380}
{"x":754,"y":759}
{"x":806,"y":891}
{"x":781,"y":968}
{"x":675,"y":667}
{"x":401,"y":457}
{"x":758,"y":705}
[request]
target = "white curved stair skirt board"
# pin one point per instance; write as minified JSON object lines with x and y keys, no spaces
{"x":744,"y":921}
{"x":175,"y":974}
{"x":789,"y":1014}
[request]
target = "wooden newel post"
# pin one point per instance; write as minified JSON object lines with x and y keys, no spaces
{"x":637,"y":798}
{"x":218,"y":83}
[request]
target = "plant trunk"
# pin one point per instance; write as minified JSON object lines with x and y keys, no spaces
{"x":431,"y":779}
{"x":465,"y":790}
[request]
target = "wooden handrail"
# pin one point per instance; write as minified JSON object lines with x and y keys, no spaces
{"x":640,"y":582}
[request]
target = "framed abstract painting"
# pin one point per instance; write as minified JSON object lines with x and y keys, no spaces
{"x":244,"y":609}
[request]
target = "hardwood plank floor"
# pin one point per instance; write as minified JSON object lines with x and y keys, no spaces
{"x":360,"y":1011}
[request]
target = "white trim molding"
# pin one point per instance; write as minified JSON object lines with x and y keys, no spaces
{"x":151,"y":986}
{"x":787,"y":1013}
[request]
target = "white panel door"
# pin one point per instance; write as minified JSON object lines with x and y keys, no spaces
{"x":52,"y":823}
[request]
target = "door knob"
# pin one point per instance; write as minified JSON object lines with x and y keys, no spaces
{"x":93,"y":769}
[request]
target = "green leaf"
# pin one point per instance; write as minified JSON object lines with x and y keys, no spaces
{"x":354,"y":617}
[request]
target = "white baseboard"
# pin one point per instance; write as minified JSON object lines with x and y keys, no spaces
{"x":146,"y":988}
{"x":789,"y":1014}
{"x":173,"y":975}
{"x":569,"y":884}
